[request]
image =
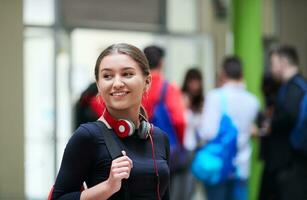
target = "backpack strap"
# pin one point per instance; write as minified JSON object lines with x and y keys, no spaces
{"x":163,"y":91}
{"x":114,"y":150}
{"x":112,"y":145}
{"x":223,"y":102}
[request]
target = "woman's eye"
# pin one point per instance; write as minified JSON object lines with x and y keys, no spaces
{"x":128,"y":74}
{"x":107,"y":76}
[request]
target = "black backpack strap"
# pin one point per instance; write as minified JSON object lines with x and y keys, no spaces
{"x":112,"y":146}
{"x":114,"y":150}
{"x":163,"y":91}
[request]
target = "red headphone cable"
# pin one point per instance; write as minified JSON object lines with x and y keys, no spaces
{"x":155,"y":163}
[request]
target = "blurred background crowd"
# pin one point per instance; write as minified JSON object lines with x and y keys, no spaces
{"x":243,"y":51}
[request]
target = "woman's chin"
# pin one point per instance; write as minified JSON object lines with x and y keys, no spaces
{"x":119,"y":106}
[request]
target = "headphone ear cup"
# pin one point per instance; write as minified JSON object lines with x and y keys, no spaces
{"x":144,"y":130}
{"x":124,"y":128}
{"x":131,"y":127}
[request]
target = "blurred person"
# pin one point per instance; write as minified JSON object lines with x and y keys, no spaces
{"x":270,"y":88}
{"x":88,"y":107}
{"x":122,"y":76}
{"x":192,"y":90}
{"x":242,"y":108}
{"x":285,"y":164}
{"x":165,"y":107}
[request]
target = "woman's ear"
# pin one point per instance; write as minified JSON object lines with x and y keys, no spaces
{"x":147,"y":83}
{"x":98,"y":88}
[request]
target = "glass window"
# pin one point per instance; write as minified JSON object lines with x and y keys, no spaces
{"x":64,"y":105}
{"x":39,"y":111}
{"x":182,"y":16}
{"x":38,"y":12}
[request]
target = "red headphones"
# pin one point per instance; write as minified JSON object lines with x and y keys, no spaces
{"x":124,"y":128}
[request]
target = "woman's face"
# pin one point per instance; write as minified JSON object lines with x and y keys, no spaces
{"x":194,"y":86}
{"x":121,"y":83}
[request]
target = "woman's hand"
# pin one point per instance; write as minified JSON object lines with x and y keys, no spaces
{"x":120,"y":169}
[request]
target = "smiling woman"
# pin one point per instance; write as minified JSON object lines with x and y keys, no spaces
{"x":122,"y":76}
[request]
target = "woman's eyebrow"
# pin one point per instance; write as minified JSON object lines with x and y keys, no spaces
{"x":105,"y":69}
{"x":123,"y":69}
{"x":128,"y":68}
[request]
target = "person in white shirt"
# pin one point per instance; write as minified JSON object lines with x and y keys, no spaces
{"x":242,"y":107}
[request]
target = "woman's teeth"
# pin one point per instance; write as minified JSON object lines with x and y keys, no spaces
{"x":119,"y":93}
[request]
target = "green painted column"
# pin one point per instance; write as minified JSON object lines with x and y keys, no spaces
{"x":248,"y":42}
{"x":248,"y":46}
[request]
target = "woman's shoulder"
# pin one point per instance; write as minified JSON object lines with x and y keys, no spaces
{"x":88,"y":131}
{"x":160,"y":134}
{"x":82,"y":137}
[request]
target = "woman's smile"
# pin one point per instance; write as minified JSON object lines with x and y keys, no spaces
{"x":119,"y":93}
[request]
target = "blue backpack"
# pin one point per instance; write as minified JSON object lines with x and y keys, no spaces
{"x":214,"y":162}
{"x":180,"y":159}
{"x":298,"y":136}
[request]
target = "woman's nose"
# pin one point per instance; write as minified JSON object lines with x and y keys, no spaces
{"x":118,"y":82}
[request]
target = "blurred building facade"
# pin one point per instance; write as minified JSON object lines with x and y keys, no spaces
{"x":48,"y":51}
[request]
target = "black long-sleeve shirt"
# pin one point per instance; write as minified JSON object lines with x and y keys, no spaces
{"x":280,"y":154}
{"x":86,"y":158}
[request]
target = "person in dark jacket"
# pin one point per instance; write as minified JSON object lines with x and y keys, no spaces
{"x":270,"y":87}
{"x":286,"y":166}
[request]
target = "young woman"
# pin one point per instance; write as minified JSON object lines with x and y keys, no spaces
{"x":192,"y":90}
{"x":122,"y":76}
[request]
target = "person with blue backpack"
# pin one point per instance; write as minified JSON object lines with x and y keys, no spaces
{"x":222,"y":163}
{"x":286,"y":159}
{"x":166,"y":109}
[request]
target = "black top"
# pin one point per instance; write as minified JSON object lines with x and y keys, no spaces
{"x":280,"y":154}
{"x":86,"y":158}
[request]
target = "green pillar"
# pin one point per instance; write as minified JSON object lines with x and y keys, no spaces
{"x":248,"y":46}
{"x":247,"y":41}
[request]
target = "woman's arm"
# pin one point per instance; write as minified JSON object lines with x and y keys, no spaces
{"x":120,"y":169}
